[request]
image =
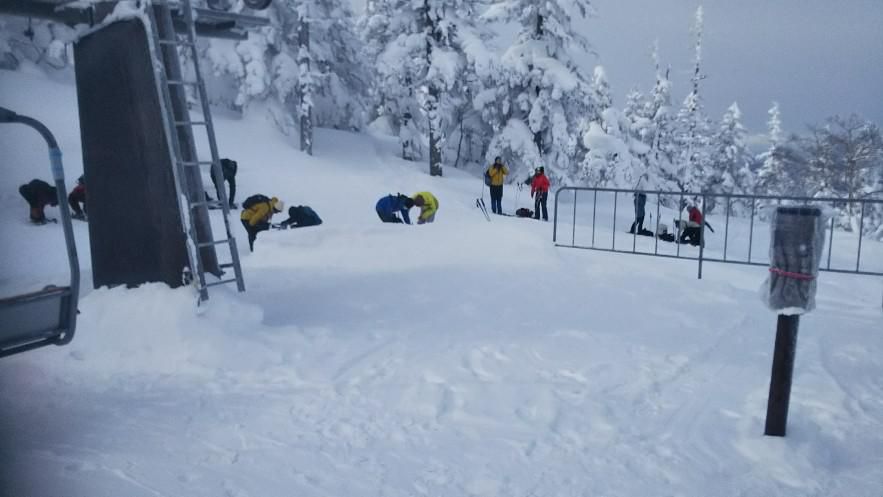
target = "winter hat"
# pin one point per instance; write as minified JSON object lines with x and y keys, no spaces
{"x":408,"y":201}
{"x":81,"y":180}
{"x":541,"y":169}
{"x":277,"y":204}
{"x":418,"y":201}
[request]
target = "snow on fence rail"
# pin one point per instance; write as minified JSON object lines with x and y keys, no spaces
{"x":600,"y":218}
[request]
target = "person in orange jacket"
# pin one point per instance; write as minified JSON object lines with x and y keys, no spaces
{"x":539,"y":190}
{"x":257,"y":211}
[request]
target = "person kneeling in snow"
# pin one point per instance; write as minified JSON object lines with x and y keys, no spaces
{"x":257,"y":211}
{"x":77,"y":199}
{"x":691,"y":231}
{"x":39,"y":194}
{"x":300,"y":217}
{"x":428,"y":206}
{"x":390,"y":206}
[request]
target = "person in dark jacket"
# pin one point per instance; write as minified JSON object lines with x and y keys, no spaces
{"x":77,"y":199}
{"x":539,"y":190}
{"x":389,"y":207}
{"x":228,"y":169}
{"x":640,"y":199}
{"x":301,"y":216}
{"x":39,"y":194}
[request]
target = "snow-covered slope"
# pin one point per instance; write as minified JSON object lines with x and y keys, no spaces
{"x":458,"y":358}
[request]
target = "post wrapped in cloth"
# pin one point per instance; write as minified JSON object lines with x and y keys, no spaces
{"x":796,"y":244}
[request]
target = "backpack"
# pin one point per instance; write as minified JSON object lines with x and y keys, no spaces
{"x":487,"y":177}
{"x":255,"y":200}
{"x":524,"y":212}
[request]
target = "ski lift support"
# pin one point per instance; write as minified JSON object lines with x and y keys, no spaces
{"x":48,"y":316}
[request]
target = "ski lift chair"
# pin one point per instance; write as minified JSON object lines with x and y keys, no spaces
{"x":48,"y":316}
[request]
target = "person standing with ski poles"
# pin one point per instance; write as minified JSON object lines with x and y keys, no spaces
{"x":497,"y":174}
{"x":539,"y":190}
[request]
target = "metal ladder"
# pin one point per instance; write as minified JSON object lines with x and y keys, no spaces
{"x":174,"y":125}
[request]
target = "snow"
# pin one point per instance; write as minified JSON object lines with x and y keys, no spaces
{"x":457,"y":358}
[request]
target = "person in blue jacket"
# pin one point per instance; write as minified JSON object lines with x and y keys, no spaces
{"x":390,"y":206}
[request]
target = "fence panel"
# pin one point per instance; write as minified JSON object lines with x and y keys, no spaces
{"x":737,"y":229}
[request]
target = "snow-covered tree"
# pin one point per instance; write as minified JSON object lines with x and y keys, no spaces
{"x":601,"y":93}
{"x":845,"y":160}
{"x":615,"y":151}
{"x":661,"y":157}
{"x":306,"y":63}
{"x":692,"y":129}
{"x":539,"y":92}
{"x":730,"y":170}
{"x":427,"y":54}
{"x":771,"y":176}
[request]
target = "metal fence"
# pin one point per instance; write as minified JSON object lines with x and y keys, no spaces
{"x":596,"y":225}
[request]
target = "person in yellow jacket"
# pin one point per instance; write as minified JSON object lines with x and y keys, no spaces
{"x":496,"y":174}
{"x":428,"y":206}
{"x":257,"y":211}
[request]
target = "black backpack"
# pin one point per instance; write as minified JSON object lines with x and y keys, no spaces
{"x":255,"y":200}
{"x":524,"y":212}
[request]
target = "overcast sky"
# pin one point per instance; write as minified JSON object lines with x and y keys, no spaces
{"x":817,"y":58}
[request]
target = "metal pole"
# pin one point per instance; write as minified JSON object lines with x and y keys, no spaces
{"x":554,"y":216}
{"x":861,"y":229}
{"x":751,"y":229}
{"x":780,"y":378}
{"x":678,"y":227}
{"x":727,"y":229}
{"x":594,"y":211}
{"x":702,"y":236}
{"x":635,"y":234}
{"x":830,"y":241}
{"x":656,"y":231}
{"x":573,"y":235}
{"x":615,"y":198}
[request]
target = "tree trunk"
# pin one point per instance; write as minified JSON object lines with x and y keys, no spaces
{"x":305,"y":86}
{"x":432,"y":102}
{"x":435,"y":154}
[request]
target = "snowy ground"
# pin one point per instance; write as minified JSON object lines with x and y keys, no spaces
{"x":459,"y":358}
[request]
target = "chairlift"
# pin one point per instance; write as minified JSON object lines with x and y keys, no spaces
{"x":48,"y":316}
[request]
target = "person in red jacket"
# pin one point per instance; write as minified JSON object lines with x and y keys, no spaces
{"x":692,"y":233}
{"x":76,"y":197}
{"x":539,"y":190}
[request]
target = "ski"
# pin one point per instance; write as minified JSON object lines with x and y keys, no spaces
{"x":479,"y":202}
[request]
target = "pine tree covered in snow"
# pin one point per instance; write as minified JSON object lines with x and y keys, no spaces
{"x":614,"y":150}
{"x":845,"y":159}
{"x":427,"y":55}
{"x":771,"y":176}
{"x":306,"y":62}
{"x":693,"y":129}
{"x":539,"y":97}
{"x":662,"y":172}
{"x":730,"y":170}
